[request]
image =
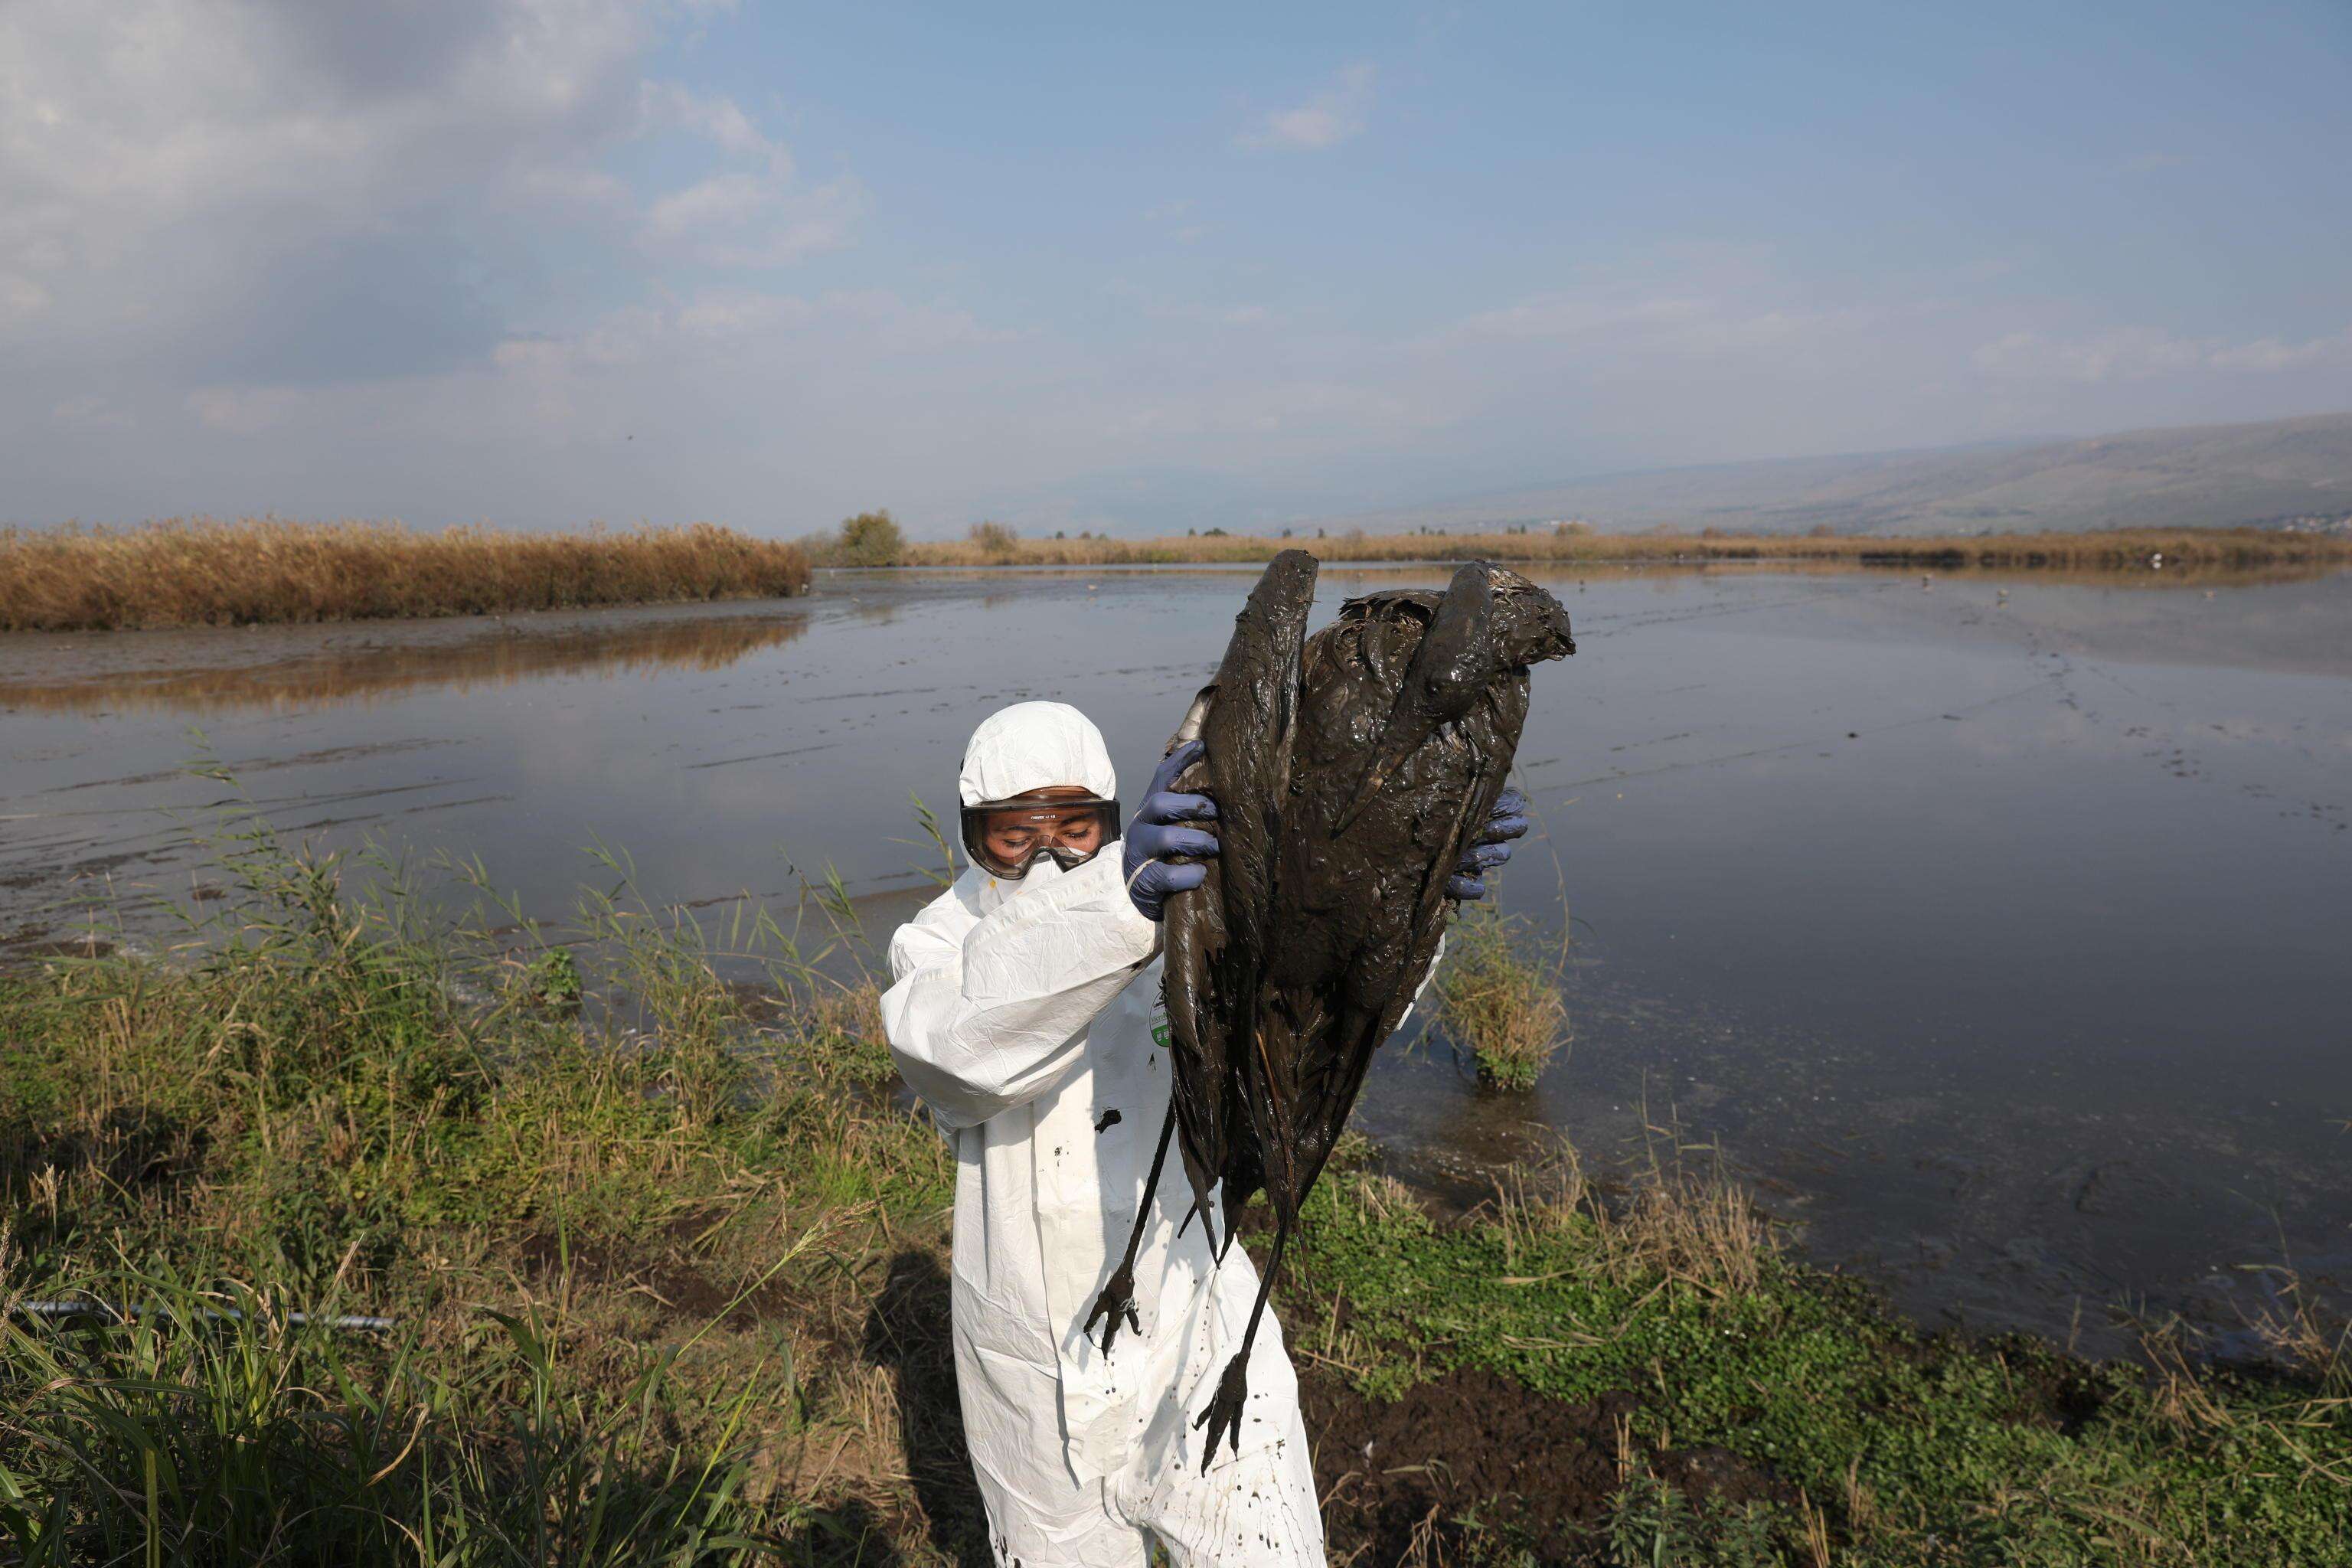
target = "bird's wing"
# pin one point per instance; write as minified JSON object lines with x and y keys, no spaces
{"x":1335,"y":1075}
{"x":1194,"y":929}
{"x":1421,"y":603}
{"x":1457,"y":644}
{"x":1491,"y":731}
{"x":1218,"y":934}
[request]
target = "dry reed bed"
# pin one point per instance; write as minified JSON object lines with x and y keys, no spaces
{"x":2238,"y":547}
{"x":204,"y":571}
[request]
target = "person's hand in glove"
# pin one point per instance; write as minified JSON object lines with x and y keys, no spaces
{"x":1157,"y":837}
{"x":1506,"y":822}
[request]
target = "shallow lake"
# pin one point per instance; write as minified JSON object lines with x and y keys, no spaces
{"x":1998,"y":928}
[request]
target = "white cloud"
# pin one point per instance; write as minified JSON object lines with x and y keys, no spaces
{"x":746,"y":218}
{"x":716,"y":118}
{"x":771,"y":225}
{"x":2272,"y":354}
{"x":164,"y":164}
{"x":720,"y":201}
{"x":2141,"y":353}
{"x":144,"y":111}
{"x":1575,"y":314}
{"x":1330,"y":117}
{"x":238,"y":220}
{"x":339,"y":258}
{"x":211,"y":211}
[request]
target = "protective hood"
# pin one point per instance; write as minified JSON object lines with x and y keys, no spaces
{"x":1034,"y":745}
{"x":1030,"y":745}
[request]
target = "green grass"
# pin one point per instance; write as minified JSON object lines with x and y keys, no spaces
{"x":1502,"y":1004}
{"x":667,"y":1272}
{"x":631,"y":1255}
{"x":179,"y":1440}
{"x":1917,"y":1451}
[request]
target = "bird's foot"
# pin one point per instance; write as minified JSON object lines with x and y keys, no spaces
{"x":1223,"y":1415}
{"x":1117,"y":1300}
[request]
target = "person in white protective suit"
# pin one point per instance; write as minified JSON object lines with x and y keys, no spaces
{"x":1026,"y":1013}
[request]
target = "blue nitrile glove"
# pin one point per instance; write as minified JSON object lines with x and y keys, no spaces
{"x":1508,"y":821}
{"x":1155,"y":835}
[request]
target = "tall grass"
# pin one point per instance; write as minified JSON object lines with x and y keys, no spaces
{"x":254,"y":569}
{"x":631,"y":1247}
{"x":1499,"y":1000}
{"x":2107,"y":550}
{"x":192,"y":1436}
{"x":996,"y":542}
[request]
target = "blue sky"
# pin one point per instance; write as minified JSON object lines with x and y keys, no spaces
{"x":538,"y":261}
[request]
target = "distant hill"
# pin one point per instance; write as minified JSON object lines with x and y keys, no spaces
{"x":2200,"y":476}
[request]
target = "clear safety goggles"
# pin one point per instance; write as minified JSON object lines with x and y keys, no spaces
{"x":1004,"y":837}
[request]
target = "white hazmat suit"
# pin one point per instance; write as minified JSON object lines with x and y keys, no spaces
{"x":1027,"y":1014}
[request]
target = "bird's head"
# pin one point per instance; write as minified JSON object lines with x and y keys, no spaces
{"x":1530,"y":625}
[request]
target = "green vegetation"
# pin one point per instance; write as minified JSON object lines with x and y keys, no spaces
{"x":666,"y":1267}
{"x":1890,"y":1448}
{"x":1494,"y":998}
{"x":996,"y":542}
{"x":634,"y":1253}
{"x":869,"y":538}
{"x":206,"y":573}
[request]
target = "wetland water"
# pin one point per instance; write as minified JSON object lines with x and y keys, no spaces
{"x":1998,"y":928}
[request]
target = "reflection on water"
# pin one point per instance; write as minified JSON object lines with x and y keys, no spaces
{"x":372,"y":671}
{"x":1992,"y":922}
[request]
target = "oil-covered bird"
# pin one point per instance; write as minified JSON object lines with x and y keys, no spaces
{"x":1351,"y":770}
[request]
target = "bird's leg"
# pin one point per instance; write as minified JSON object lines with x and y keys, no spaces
{"x":1118,"y":1296}
{"x":1223,"y":1415}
